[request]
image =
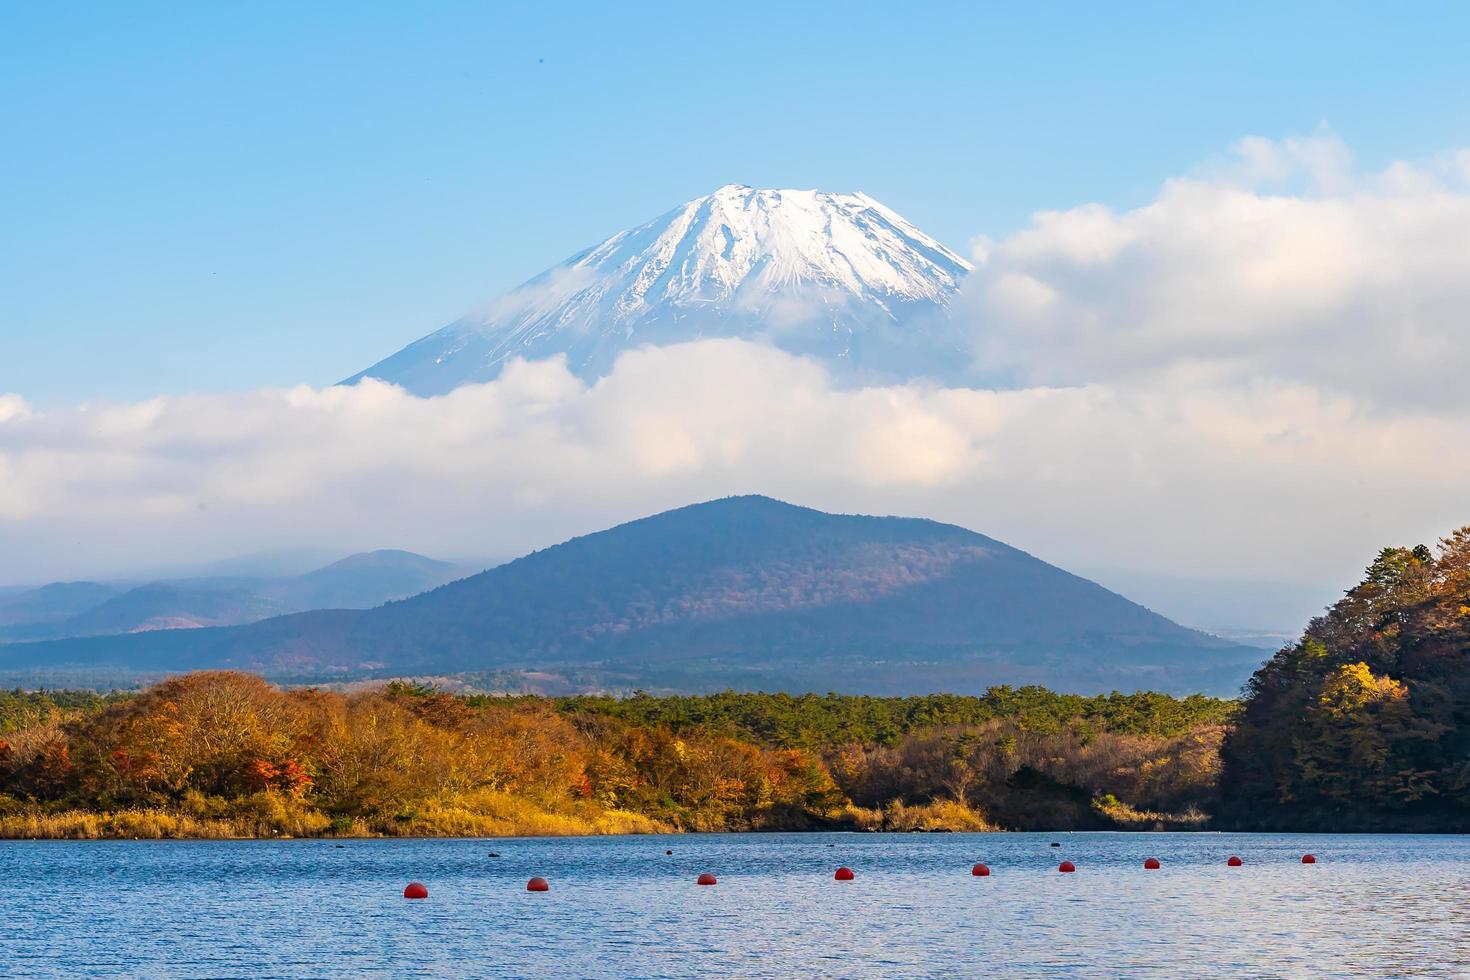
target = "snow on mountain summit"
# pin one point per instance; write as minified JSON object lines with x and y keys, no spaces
{"x":743,"y":245}
{"x":838,"y":277}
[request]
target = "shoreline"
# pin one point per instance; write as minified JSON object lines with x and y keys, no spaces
{"x":166,"y":825}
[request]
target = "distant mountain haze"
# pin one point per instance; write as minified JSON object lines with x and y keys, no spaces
{"x":838,"y":277}
{"x":366,"y":580}
{"x":52,"y":603}
{"x":92,"y":609}
{"x":747,"y":592}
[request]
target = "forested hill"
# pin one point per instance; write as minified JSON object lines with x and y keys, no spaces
{"x":1364,"y":724}
{"x":745,"y":592}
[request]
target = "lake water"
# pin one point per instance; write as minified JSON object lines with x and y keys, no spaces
{"x":1375,"y":906}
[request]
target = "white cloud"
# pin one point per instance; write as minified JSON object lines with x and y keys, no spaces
{"x":1358,"y":284}
{"x":1228,"y":381}
{"x":1176,"y":475}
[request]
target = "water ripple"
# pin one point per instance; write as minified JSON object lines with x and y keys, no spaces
{"x":620,"y":907}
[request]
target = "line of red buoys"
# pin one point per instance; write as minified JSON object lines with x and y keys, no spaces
{"x":417,"y":889}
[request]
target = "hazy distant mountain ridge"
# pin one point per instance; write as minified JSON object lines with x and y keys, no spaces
{"x":365,"y":580}
{"x":96,"y":609}
{"x":836,"y":276}
{"x":52,"y":603}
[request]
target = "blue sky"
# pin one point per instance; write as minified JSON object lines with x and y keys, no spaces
{"x":219,"y":197}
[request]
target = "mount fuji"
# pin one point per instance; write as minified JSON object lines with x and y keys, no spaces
{"x":836,"y":277}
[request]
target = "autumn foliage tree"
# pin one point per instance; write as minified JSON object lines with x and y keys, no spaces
{"x":237,"y":755}
{"x":1364,"y":724}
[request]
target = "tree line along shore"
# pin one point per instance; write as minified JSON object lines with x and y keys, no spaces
{"x":1363,"y":724}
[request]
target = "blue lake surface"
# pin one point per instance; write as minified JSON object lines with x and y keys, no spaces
{"x":1374,"y":906}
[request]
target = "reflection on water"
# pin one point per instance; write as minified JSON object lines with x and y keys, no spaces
{"x":620,"y":907}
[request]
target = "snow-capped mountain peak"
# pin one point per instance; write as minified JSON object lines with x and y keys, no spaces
{"x":836,"y":276}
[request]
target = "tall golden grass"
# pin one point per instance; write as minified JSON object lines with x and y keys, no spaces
{"x":942,"y":815}
{"x":484,"y":813}
{"x":480,"y":814}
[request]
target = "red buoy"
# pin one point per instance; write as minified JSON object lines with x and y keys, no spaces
{"x":707,"y":879}
{"x":1066,"y":867}
{"x":1234,"y":861}
{"x":1309,"y":859}
{"x":980,"y":871}
{"x":416,"y":889}
{"x":844,"y":874}
{"x":1151,"y":864}
{"x":538,"y":885}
